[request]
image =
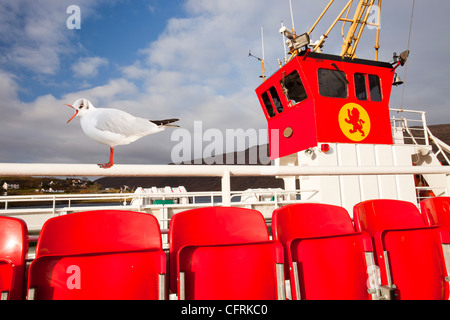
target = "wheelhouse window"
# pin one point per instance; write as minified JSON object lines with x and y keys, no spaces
{"x":375,"y":88}
{"x":276,"y":99}
{"x":293,"y":88}
{"x":332,"y":83}
{"x":360,"y":86}
{"x":268,"y":102}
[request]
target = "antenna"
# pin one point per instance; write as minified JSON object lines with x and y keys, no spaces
{"x":284,"y":44}
{"x":262,"y":42}
{"x":292,"y":15}
{"x":263,"y":76}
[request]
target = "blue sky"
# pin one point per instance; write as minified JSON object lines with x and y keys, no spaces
{"x":177,"y":58}
{"x":114,"y":34}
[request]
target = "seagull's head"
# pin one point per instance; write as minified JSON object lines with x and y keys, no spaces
{"x":81,"y":106}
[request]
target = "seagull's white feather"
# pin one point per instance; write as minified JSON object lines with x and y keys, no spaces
{"x":114,"y":127}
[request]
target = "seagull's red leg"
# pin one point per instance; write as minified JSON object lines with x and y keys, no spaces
{"x":111,"y":160}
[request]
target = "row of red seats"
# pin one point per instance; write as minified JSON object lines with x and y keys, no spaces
{"x":226,"y":253}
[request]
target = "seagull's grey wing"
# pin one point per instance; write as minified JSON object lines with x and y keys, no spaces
{"x":120,"y":122}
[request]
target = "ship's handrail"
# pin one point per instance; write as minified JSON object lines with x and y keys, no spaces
{"x":409,"y":122}
{"x":441,"y":146}
{"x":424,"y":135}
{"x":62,"y":203}
{"x":223,"y":171}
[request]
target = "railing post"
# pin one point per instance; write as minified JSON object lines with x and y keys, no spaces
{"x":425,"y":129}
{"x":448,"y":186}
{"x":226,"y":188}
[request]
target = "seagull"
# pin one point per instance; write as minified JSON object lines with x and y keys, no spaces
{"x":114,"y":127}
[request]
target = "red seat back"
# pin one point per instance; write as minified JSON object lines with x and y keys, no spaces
{"x":436,"y":211}
{"x":110,"y":276}
{"x":308,"y":220}
{"x":98,"y":232}
{"x":106,"y":254}
{"x":211,"y":226}
{"x":415,"y":261}
{"x":14,"y":250}
{"x":232,"y":272}
{"x":321,"y":239}
{"x":6,"y":278}
{"x":373,"y":216}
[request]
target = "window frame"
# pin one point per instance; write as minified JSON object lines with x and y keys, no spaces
{"x":324,"y":89}
{"x":269,"y":98}
{"x":295,"y":88}
{"x":380,"y":91}
{"x":369,"y":87}
{"x":362,"y":81}
{"x":279,"y":108}
{"x":268,"y":104}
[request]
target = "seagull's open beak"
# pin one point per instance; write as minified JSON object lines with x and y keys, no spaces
{"x":76,"y":112}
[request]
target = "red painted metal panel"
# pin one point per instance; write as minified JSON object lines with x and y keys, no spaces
{"x":346,"y":117}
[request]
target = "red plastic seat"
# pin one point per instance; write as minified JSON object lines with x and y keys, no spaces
{"x":325,"y":256}
{"x":224,"y":253}
{"x":436,"y":211}
{"x":409,"y":253}
{"x":106,"y":254}
{"x":13,"y":253}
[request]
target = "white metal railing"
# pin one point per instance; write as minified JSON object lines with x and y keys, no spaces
{"x":423,"y":193}
{"x":60,"y":204}
{"x":61,"y":199}
{"x":441,"y":146}
{"x":71,"y":170}
{"x":411,"y":121}
{"x":414,"y":123}
{"x":223,"y":171}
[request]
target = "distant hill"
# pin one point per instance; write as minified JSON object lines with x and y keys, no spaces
{"x":442,"y":131}
{"x":195,"y":184}
{"x":257,"y":155}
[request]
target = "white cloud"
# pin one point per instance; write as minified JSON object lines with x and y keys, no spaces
{"x":135,"y":71}
{"x":8,"y":88}
{"x":34,"y":34}
{"x":89,"y":67}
